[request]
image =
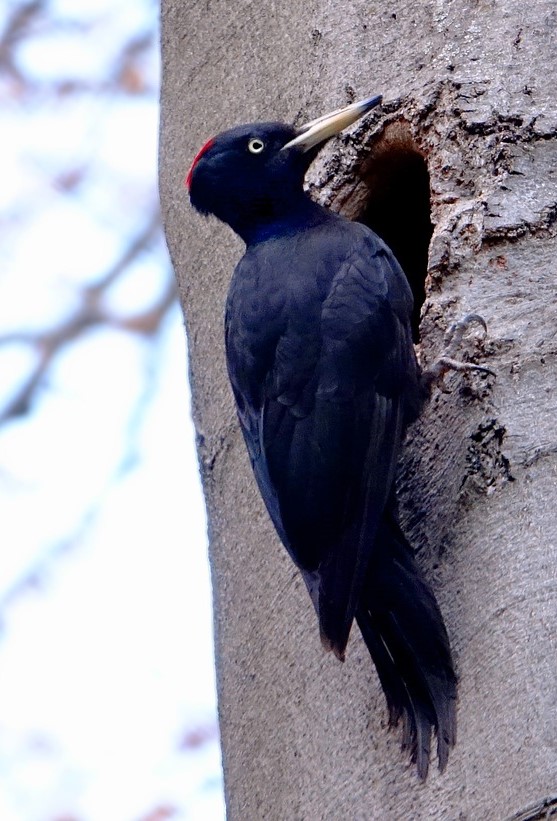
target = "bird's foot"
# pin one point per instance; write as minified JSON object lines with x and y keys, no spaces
{"x":435,"y":376}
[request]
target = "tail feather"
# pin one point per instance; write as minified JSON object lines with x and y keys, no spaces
{"x":403,"y":629}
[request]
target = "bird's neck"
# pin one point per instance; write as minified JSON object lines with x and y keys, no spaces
{"x":279,"y":217}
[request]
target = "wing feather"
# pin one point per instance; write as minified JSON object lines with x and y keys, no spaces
{"x":323,"y":407}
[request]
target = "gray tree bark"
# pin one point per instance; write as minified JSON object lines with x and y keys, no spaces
{"x":471,"y":86}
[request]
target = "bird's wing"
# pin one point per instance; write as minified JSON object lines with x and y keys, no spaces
{"x":324,"y":432}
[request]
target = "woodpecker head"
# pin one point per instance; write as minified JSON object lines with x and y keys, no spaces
{"x":255,"y":172}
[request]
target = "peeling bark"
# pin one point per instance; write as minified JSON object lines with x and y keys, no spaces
{"x":304,"y":737}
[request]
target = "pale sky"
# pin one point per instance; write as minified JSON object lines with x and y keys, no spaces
{"x":107,"y":701}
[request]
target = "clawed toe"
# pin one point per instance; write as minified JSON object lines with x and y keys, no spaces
{"x":435,"y":375}
{"x":456,"y":332}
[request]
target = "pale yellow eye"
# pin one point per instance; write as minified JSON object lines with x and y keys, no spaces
{"x":255,"y":145}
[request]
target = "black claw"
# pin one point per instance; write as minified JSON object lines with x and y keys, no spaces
{"x":436,"y":374}
{"x":457,"y":330}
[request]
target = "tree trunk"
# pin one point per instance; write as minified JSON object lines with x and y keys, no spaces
{"x":470,"y":99}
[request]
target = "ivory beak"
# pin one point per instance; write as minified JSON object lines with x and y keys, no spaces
{"x":320,"y":129}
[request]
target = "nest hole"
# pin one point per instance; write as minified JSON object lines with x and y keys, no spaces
{"x":397,"y":205}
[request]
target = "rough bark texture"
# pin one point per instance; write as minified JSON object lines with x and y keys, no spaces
{"x":472,"y":85}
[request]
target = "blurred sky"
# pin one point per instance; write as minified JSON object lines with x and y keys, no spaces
{"x":107,"y":702}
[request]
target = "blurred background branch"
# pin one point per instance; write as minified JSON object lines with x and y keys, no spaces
{"x":103,"y":575}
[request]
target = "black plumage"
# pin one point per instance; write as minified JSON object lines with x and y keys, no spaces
{"x":321,"y":362}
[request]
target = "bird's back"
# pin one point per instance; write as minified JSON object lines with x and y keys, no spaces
{"x":323,"y":369}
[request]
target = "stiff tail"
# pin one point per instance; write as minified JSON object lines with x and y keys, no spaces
{"x":403,"y":629}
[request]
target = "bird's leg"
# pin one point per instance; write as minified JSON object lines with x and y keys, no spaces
{"x":436,"y":374}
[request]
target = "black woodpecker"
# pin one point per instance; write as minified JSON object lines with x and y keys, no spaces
{"x":320,"y":357}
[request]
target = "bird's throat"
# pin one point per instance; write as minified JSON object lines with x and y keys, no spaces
{"x":277,"y":218}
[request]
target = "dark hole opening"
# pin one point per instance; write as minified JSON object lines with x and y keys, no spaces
{"x":397,"y":206}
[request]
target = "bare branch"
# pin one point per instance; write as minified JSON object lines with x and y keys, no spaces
{"x":48,"y":343}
